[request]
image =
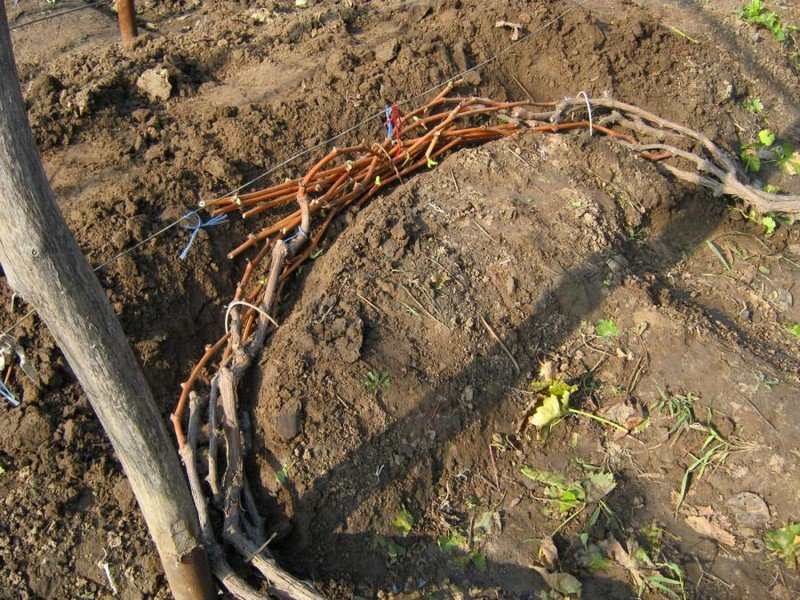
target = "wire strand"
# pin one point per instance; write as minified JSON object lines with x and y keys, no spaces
{"x":322,"y":144}
{"x":58,"y":14}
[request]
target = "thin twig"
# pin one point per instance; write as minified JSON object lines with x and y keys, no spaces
{"x":502,"y":345}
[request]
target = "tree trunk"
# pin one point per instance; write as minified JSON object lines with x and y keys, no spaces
{"x":43,"y":263}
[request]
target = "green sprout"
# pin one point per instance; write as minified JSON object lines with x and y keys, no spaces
{"x":784,"y":543}
{"x":607,"y":328}
{"x":794,"y":329}
{"x":754,"y":105}
{"x":377,"y":380}
{"x":403,"y":522}
{"x":755,"y":12}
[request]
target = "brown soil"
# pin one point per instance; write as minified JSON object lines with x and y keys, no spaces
{"x":540,"y":237}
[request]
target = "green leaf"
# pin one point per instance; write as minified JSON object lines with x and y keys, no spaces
{"x":754,"y":105}
{"x":657,"y":583}
{"x":479,"y":560}
{"x":766,"y":137}
{"x":598,"y":485}
{"x":546,"y":477}
{"x":377,"y":181}
{"x":563,"y":583}
{"x":403,"y":522}
{"x":751,"y":160}
{"x":562,"y":389}
{"x":487,"y":522}
{"x":607,"y":328}
{"x":718,"y":254}
{"x":550,"y":409}
{"x":449,"y":543}
{"x":432,"y":163}
{"x":788,"y":160}
{"x":769,"y":224}
{"x":784,"y":543}
{"x":771,"y":189}
{"x":282,"y":476}
{"x":392,"y":548}
{"x":794,"y":329}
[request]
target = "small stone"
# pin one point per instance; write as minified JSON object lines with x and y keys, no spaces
{"x":613,"y":265}
{"x":511,"y":286}
{"x":289,"y":420}
{"x":155,"y":83}
{"x":754,"y":545}
{"x":749,"y":509}
{"x":468,"y":393}
{"x":82,"y":101}
{"x":387,"y":51}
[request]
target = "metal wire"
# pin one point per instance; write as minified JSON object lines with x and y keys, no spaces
{"x":57,"y":14}
{"x":322,"y":144}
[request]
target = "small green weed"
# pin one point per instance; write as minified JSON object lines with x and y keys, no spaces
{"x":606,"y":328}
{"x":479,"y":560}
{"x":770,"y":220}
{"x":715,"y":449}
{"x":450,"y":543}
{"x":570,"y":498}
{"x":794,"y":329}
{"x":756,"y":12}
{"x":403,"y":522}
{"x":787,"y":159}
{"x":654,"y":536}
{"x":282,"y":476}
{"x":411,"y":310}
{"x":754,"y":105}
{"x":765,"y":149}
{"x":438,"y":281}
{"x":765,"y":382}
{"x":680,"y":408}
{"x":648,"y":572}
{"x":784,"y":543}
{"x":377,"y":380}
{"x":393,"y":549}
{"x":551,"y":405}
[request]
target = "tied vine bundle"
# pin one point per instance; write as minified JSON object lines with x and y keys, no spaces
{"x":350,"y":177}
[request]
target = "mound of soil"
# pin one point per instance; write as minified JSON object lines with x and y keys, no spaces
{"x":517,"y":241}
{"x":532,"y":241}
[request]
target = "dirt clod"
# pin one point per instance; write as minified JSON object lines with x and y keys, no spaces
{"x":155,"y":83}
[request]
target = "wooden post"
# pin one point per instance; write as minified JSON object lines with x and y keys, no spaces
{"x":126,"y":16}
{"x":43,"y":263}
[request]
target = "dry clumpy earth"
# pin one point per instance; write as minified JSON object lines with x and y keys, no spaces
{"x":514,"y":249}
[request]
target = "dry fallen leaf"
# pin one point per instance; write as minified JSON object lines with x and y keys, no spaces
{"x":548,"y":553}
{"x":711,"y":529}
{"x":563,"y":583}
